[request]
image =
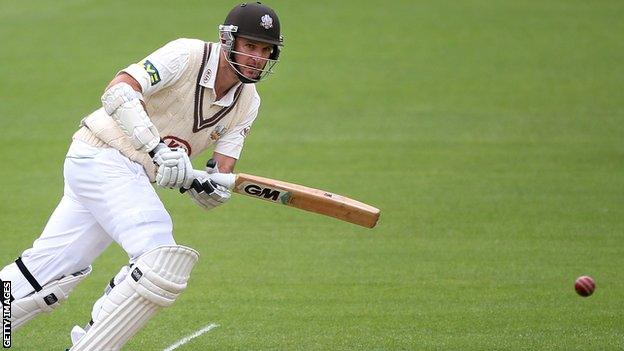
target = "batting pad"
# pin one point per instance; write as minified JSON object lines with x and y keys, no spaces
{"x":46,"y":300}
{"x":155,"y":281}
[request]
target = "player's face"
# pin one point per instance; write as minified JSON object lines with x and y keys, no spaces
{"x":251,"y":56}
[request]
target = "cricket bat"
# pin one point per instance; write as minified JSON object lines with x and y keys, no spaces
{"x":299,"y":196}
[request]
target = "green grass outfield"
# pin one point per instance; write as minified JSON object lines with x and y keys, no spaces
{"x":490,"y":133}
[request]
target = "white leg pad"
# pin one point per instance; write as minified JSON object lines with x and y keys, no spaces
{"x":155,"y":281}
{"x":46,"y":300}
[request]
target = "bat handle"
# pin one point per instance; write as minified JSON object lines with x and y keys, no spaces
{"x":211,"y":163}
{"x":227,"y":180}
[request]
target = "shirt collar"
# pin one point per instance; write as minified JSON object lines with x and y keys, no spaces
{"x":210,"y":74}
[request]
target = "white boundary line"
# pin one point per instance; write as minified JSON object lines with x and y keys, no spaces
{"x":188,"y":338}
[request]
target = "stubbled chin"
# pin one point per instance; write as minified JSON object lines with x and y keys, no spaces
{"x":251,"y":74}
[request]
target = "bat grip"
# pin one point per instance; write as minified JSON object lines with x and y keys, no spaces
{"x":227,"y":180}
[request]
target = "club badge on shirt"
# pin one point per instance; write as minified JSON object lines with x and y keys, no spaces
{"x":217,"y":132}
{"x":245,"y":132}
{"x":152,"y":71}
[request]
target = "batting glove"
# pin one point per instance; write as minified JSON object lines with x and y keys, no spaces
{"x":175,"y":169}
{"x":206,"y":193}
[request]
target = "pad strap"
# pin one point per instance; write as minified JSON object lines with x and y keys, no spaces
{"x":47,"y":299}
{"x":22,"y":267}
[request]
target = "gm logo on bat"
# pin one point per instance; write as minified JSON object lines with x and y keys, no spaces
{"x":266,"y":193}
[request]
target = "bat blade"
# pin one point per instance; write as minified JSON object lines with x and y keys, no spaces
{"x":301,"y":197}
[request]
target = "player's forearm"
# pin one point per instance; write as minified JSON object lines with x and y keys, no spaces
{"x":124,"y":77}
{"x":225,"y":163}
{"x":124,"y":105}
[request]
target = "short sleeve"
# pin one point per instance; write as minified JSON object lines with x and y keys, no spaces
{"x":231,"y":144}
{"x":162,"y":67}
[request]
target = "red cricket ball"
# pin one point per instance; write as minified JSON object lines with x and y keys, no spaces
{"x":585,"y":285}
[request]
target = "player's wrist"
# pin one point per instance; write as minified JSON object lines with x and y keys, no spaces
{"x":160,"y":146}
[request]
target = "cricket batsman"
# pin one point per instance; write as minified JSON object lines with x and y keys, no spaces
{"x":156,"y":115}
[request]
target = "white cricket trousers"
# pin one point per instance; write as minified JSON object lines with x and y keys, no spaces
{"x":106,"y":197}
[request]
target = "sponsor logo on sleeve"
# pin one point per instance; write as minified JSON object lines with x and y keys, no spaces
{"x":152,"y":71}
